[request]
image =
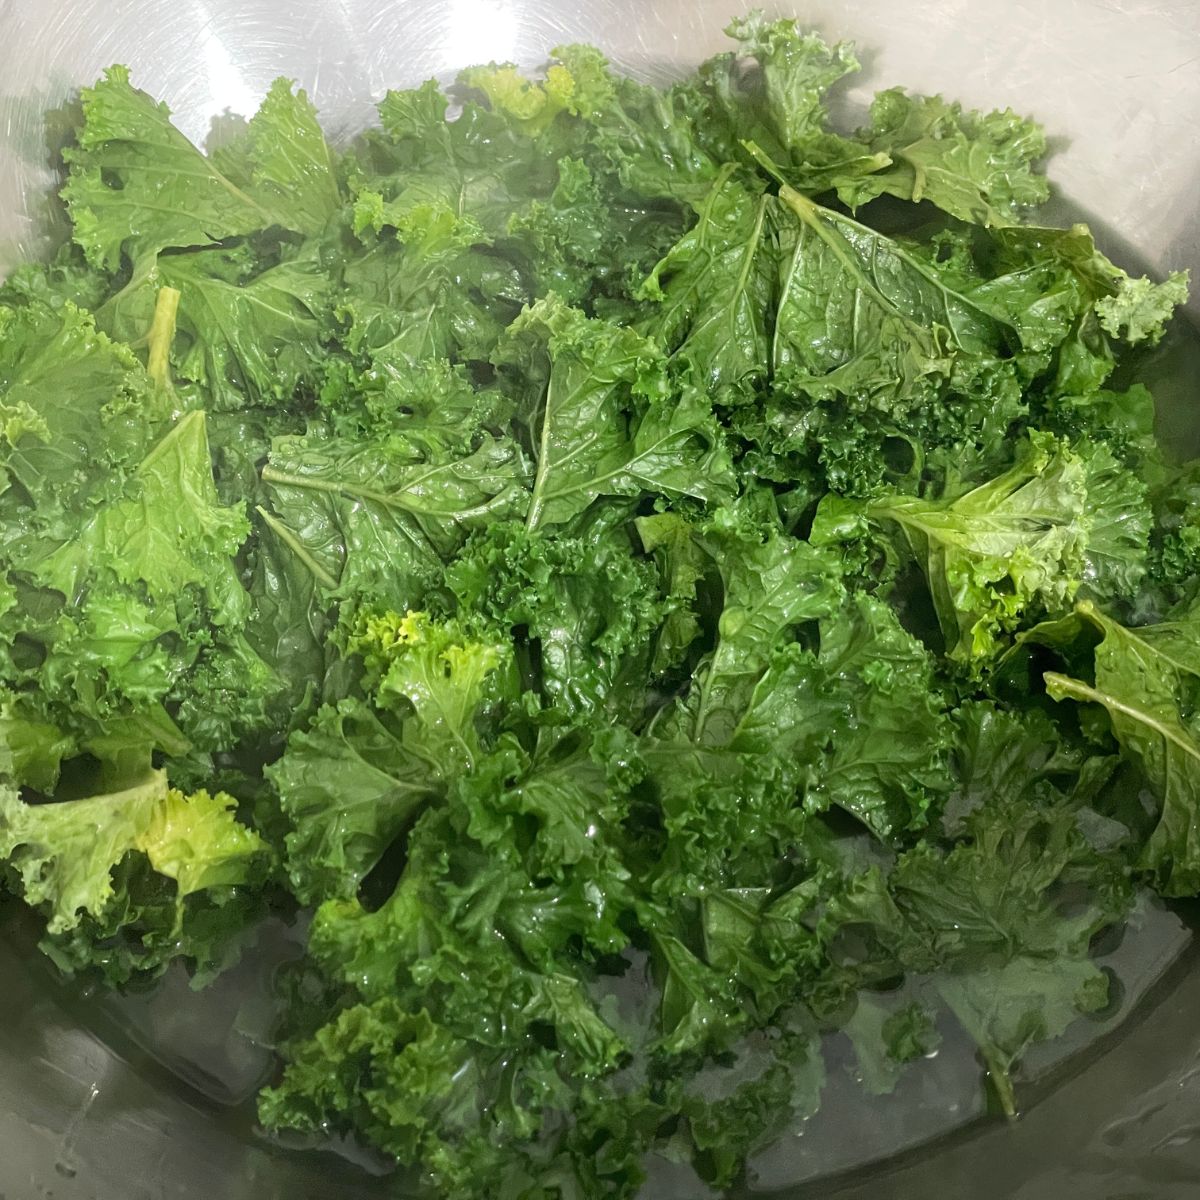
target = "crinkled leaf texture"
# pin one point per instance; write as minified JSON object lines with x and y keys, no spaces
{"x":614,"y":543}
{"x":353,"y":780}
{"x":137,"y":185}
{"x":1147,"y":679}
{"x":65,"y":852}
{"x":1025,"y":540}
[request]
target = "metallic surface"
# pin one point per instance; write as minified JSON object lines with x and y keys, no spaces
{"x":1117,"y":84}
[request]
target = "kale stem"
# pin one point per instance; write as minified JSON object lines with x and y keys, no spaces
{"x":290,"y":540}
{"x":162,"y":334}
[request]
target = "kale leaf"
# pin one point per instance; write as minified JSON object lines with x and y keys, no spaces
{"x":611,"y":562}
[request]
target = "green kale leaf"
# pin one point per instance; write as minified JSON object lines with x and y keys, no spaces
{"x":1146,"y":679}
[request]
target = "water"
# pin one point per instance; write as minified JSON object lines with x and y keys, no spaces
{"x":212,"y":1050}
{"x":944,"y":1094}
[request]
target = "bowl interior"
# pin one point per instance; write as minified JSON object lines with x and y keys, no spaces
{"x":88,"y":1106}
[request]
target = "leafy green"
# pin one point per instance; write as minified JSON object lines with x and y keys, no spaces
{"x":887,"y":729}
{"x":284,"y":160}
{"x":976,"y":167}
{"x":353,"y":779}
{"x":582,"y":612}
{"x":771,"y":583}
{"x":714,"y":289}
{"x":583,"y":440}
{"x":1011,"y":957}
{"x":242,"y":338}
{"x":137,"y":185}
{"x":1028,"y":538}
{"x":58,"y":369}
{"x":174,"y":533}
{"x":885,"y":1038}
{"x":65,"y":853}
{"x":1146,"y":679}
{"x":684,"y":565}
{"x":865,"y":316}
{"x":780,"y":107}
{"x":599,"y":560}
{"x":1140,"y":309}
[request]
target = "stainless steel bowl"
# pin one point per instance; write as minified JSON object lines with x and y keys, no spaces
{"x":91,"y":1108}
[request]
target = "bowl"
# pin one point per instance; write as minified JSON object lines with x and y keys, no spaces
{"x":131,"y":1099}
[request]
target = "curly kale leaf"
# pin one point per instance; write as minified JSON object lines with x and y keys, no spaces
{"x":1025,"y":541}
{"x":357,"y":775}
{"x":137,"y":185}
{"x":65,"y":852}
{"x":1146,"y":679}
{"x":977,"y":167}
{"x":605,"y":422}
